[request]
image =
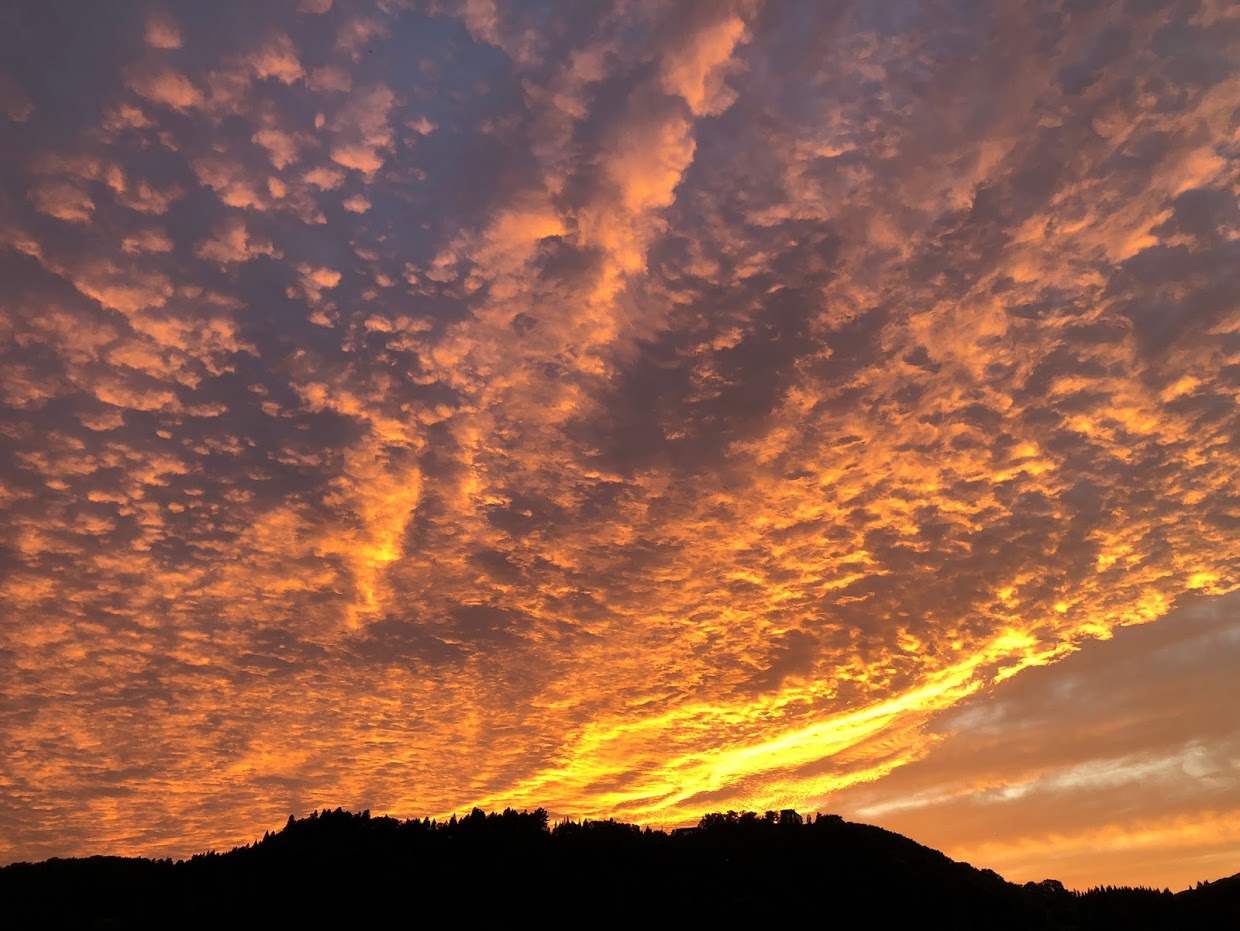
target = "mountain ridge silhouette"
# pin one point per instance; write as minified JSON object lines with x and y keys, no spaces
{"x":346,"y":867}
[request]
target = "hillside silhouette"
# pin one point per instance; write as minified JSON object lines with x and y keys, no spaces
{"x":338,"y":867}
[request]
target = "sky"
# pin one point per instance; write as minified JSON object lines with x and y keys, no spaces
{"x":629,"y":408}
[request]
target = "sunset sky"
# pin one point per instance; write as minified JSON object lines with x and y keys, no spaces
{"x":634,"y":408}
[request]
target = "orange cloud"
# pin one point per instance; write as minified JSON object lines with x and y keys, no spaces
{"x":277,"y":58}
{"x":362,"y":129}
{"x":166,"y":87}
{"x":695,"y":71}
{"x":234,"y":243}
{"x":162,"y":32}
{"x":671,"y":408}
{"x":234,"y":184}
{"x":63,"y":200}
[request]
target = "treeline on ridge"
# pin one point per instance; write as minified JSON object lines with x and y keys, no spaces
{"x":342,"y":867}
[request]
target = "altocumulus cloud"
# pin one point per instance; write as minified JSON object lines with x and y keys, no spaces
{"x":630,"y":410}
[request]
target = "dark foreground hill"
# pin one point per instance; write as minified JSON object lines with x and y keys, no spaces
{"x":352,"y":870}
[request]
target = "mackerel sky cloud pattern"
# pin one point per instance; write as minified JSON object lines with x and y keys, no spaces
{"x":631,"y":408}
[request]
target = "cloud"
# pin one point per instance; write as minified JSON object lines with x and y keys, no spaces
{"x":276,"y":58}
{"x":145,"y":198}
{"x":231,"y":180}
{"x":694,"y":71}
{"x":162,"y":32}
{"x":362,"y":130}
{"x":14,"y":101}
{"x":1132,"y":724}
{"x":62,"y":200}
{"x":234,"y":243}
{"x":282,"y":147}
{"x":663,"y":406}
{"x":330,"y":78}
{"x":324,"y":178}
{"x":148,"y":240}
{"x":165,"y":86}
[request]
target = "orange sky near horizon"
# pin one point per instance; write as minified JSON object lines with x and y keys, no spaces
{"x":637,"y":409}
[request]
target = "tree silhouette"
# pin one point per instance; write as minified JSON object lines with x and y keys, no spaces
{"x":337,"y":867}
